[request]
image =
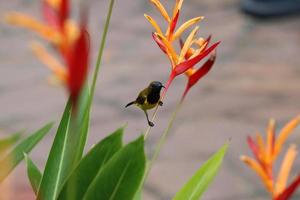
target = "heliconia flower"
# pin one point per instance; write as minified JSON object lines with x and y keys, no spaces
{"x":58,"y":28}
{"x":58,"y":69}
{"x":195,"y":75}
{"x":189,"y":56}
{"x":69,"y":40}
{"x":78,"y":62}
{"x":46,"y":32}
{"x":266,"y":153}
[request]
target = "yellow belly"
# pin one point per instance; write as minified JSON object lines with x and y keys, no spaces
{"x":146,"y":106}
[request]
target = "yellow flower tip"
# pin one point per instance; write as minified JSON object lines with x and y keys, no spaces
{"x":187,"y":44}
{"x":185,"y":26}
{"x":285,"y":132}
{"x":54,"y":3}
{"x":153,"y":23}
{"x":197,"y":19}
{"x":72,"y":31}
{"x":179,"y":4}
{"x":270,"y":141}
{"x":293,"y":149}
{"x":285,"y":169}
{"x":30,"y":23}
{"x":243,"y":158}
{"x":47,"y":59}
{"x":161,"y":9}
{"x":13,"y":17}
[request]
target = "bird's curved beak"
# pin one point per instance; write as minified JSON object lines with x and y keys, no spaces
{"x":163,"y":86}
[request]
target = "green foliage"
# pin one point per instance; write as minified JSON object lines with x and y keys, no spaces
{"x":8,"y":142}
{"x":33,"y":173}
{"x":198,"y":184}
{"x":82,"y":122}
{"x":15,"y":156}
{"x":91,"y":164}
{"x":58,"y":163}
{"x":71,"y":136}
{"x":121,"y":177}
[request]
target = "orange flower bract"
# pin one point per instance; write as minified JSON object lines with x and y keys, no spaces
{"x":266,"y":153}
{"x":69,"y":40}
{"x":191,"y":51}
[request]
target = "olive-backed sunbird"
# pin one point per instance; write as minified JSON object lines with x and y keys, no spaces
{"x":148,"y":98}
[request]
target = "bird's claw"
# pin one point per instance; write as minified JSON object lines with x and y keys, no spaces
{"x":160,"y":103}
{"x":151,"y":124}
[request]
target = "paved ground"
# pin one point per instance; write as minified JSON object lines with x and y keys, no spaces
{"x":257,"y":76}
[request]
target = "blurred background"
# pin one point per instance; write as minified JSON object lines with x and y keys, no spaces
{"x":256,"y":77}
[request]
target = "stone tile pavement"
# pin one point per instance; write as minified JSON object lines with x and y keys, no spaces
{"x":257,"y":76}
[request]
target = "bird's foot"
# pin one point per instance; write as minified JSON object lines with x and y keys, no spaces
{"x":160,"y":103}
{"x":151,"y":124}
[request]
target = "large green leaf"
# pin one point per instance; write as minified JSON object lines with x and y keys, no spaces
{"x":82,"y":124}
{"x":197,"y":185}
{"x":12,"y":159}
{"x":58,"y":164}
{"x":138,"y":194}
{"x":67,"y":147}
{"x":33,"y":173}
{"x":88,"y":168}
{"x":122,"y":175}
{"x":6,"y":143}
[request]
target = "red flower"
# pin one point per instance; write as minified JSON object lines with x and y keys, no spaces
{"x":266,"y":153}
{"x":188,"y":57}
{"x":78,"y":62}
{"x":188,"y":66}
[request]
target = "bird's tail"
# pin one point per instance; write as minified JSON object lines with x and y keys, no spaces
{"x":129,"y":104}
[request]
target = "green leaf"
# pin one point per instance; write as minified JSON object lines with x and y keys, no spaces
{"x":58,"y":164}
{"x":33,"y":173}
{"x":198,"y":184}
{"x":138,"y":194}
{"x":12,"y":159}
{"x":88,"y":168}
{"x":82,"y":123}
{"x":122,"y":175}
{"x":8,"y":142}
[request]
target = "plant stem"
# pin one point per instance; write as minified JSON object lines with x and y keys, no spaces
{"x":101,"y":48}
{"x":163,"y":138}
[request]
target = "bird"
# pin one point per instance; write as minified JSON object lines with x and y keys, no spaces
{"x":148,"y":98}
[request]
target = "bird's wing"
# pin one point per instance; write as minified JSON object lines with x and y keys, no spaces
{"x":141,"y":98}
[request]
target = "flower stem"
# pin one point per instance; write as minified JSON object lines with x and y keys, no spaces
{"x":101,"y":48}
{"x":163,"y":138}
